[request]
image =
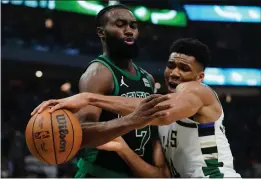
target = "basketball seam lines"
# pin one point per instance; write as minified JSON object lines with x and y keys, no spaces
{"x":53,"y":139}
{"x":34,"y":141}
{"x":73,"y":136}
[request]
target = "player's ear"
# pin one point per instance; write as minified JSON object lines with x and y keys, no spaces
{"x":100,"y":32}
{"x":201,"y":76}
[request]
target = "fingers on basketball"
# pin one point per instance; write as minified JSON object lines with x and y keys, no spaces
{"x":48,"y":103}
{"x":36,"y":109}
{"x":56,"y":107}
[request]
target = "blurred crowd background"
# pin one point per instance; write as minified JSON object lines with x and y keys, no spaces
{"x":46,"y":45}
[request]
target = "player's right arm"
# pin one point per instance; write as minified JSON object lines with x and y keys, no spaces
{"x":115,"y":104}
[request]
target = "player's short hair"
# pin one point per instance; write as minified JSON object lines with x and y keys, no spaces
{"x":100,"y":20}
{"x":192,"y":47}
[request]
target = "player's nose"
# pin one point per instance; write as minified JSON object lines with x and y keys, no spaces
{"x":175,"y":74}
{"x":129,"y":32}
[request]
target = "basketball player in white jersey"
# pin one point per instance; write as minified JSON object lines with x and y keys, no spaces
{"x":191,"y":131}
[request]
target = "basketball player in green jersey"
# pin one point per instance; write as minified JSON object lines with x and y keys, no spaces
{"x":191,"y":133}
{"x":114,"y":73}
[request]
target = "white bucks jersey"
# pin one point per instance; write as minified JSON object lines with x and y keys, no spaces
{"x":197,"y":150}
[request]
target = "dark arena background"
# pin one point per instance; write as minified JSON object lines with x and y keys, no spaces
{"x":46,"y":45}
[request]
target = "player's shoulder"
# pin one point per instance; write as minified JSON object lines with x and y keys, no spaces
{"x":96,"y":73}
{"x":193,"y":86}
{"x":201,"y":90}
{"x":96,"y":69}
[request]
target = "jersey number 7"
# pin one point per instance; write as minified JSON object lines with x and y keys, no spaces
{"x":145,"y":134}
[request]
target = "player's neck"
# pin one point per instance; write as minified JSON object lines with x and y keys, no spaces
{"x":125,"y":64}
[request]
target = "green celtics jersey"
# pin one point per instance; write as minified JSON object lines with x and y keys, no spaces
{"x":99,"y":163}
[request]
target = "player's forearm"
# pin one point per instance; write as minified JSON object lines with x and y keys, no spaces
{"x":139,"y":167}
{"x":161,"y":122}
{"x":98,"y":133}
{"x":116,"y":104}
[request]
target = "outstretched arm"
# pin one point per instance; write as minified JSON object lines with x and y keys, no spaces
{"x":92,"y":98}
{"x":97,"y":133}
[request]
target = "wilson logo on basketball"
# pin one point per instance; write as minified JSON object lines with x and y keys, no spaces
{"x":63,"y":131}
{"x":41,"y":135}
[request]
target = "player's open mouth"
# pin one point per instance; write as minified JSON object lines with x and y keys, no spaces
{"x":172,"y":87}
{"x":129,"y":40}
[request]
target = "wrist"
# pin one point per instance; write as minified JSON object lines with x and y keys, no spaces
{"x":86,"y":96}
{"x":130,"y":124}
{"x":90,"y":97}
{"x":123,"y":150}
{"x":93,"y":98}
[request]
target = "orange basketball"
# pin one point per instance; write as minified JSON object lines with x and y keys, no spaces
{"x":54,"y":138}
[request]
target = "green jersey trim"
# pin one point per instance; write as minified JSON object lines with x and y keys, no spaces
{"x":209,"y":151}
{"x":116,"y":84}
{"x":126,"y":74}
{"x":212,"y":170}
{"x":148,"y":78}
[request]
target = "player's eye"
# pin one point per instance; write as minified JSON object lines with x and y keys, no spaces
{"x":171,"y":65}
{"x":134,"y":25}
{"x":120,"y":23}
{"x":185,"y":68}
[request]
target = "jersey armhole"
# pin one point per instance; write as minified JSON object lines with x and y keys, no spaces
{"x":150,"y":81}
{"x":116,"y":84}
{"x":148,"y":78}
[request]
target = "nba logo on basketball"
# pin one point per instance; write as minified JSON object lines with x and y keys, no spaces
{"x":41,"y":135}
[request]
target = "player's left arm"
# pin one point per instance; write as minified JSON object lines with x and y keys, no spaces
{"x":140,"y":168}
{"x":186,"y":102}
